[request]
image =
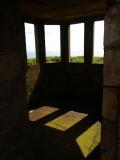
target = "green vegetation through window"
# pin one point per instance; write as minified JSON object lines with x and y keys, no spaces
{"x":98,"y":42}
{"x":30,"y":43}
{"x":52,"y":43}
{"x":77,"y":43}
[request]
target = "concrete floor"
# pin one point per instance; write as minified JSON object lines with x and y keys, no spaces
{"x":65,"y":134}
{"x":57,"y":134}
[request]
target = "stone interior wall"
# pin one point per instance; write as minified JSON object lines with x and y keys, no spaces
{"x":13,"y":109}
{"x":111,"y":82}
{"x":67,"y":85}
{"x":118,"y":154}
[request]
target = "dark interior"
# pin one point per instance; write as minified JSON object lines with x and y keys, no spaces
{"x":69,"y":85}
{"x":73,"y":112}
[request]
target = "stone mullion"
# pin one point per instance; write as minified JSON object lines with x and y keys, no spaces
{"x":88,"y":42}
{"x":65,"y":40}
{"x":40,"y":43}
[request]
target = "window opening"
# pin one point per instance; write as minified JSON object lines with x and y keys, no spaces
{"x":33,"y":69}
{"x":77,"y":43}
{"x":98,"y":53}
{"x":30,"y":43}
{"x":52,"y":43}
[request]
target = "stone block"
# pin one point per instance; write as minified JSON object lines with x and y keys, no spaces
{"x":7,"y":12}
{"x":118,"y":154}
{"x":12,"y":66}
{"x":13,"y":108}
{"x":20,"y":35}
{"x":13,"y":139}
{"x":12,"y":103}
{"x":110,"y":104}
{"x":7,"y":38}
{"x":112,"y":25}
{"x":111,"y":68}
{"x":13,"y":89}
{"x":10,"y":116}
{"x":109,"y":140}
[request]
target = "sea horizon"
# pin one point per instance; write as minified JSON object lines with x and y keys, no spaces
{"x":32,"y":54}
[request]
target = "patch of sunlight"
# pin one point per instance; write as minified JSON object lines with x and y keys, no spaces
{"x":66,"y":121}
{"x":41,"y":112}
{"x":89,"y":140}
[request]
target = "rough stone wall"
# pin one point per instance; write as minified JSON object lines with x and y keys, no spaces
{"x":118,"y":154}
{"x":111,"y":82}
{"x":13,"y":109}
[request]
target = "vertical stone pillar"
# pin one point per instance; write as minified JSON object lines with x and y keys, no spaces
{"x":111,"y":82}
{"x":13,"y":109}
{"x":65,"y":34}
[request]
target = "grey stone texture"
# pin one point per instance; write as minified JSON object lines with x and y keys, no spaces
{"x":108,"y":141}
{"x":110,"y":104}
{"x":112,"y":68}
{"x":112,"y":47}
{"x":112,"y":26}
{"x":111,"y":81}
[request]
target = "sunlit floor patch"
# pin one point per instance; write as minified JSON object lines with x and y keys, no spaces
{"x":90,"y":139}
{"x":41,"y":112}
{"x":66,"y":121}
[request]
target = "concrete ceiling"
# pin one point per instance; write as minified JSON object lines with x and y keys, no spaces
{"x":61,"y":10}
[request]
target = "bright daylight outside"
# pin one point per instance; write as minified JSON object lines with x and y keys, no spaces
{"x":98,"y":50}
{"x":52,"y":47}
{"x":77,"y":43}
{"x":52,"y":43}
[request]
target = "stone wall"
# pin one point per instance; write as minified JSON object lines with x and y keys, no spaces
{"x":111,"y":82}
{"x":13,"y":109}
{"x":67,"y":85}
